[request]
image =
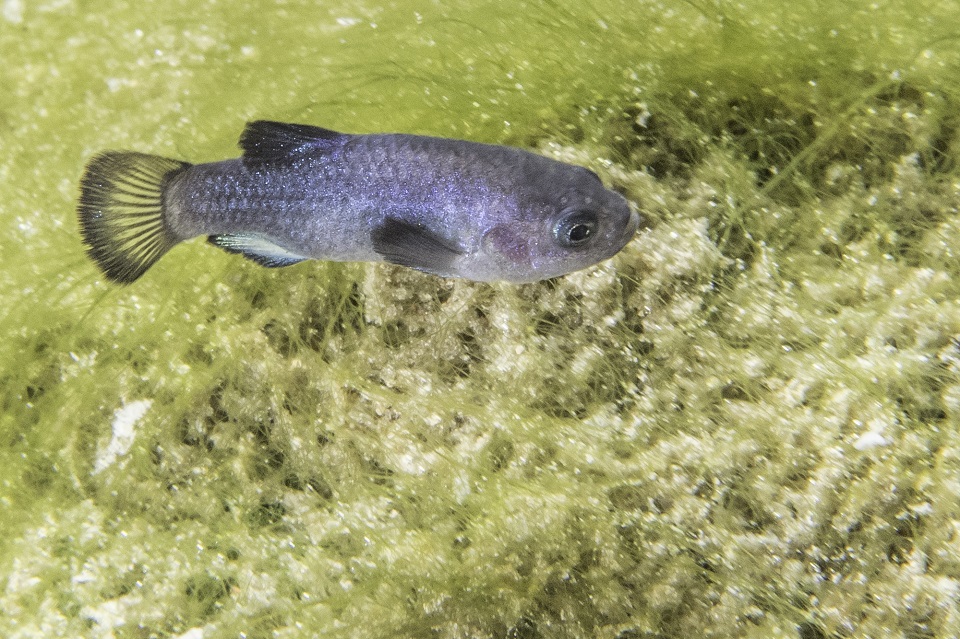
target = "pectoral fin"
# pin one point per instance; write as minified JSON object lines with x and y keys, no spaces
{"x":415,"y":246}
{"x":257,"y":248}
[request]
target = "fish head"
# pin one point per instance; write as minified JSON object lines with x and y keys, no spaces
{"x":566,"y":222}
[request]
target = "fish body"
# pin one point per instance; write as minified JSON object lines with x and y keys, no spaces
{"x":448,"y":207}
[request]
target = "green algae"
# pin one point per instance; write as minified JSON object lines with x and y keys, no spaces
{"x":744,"y":425}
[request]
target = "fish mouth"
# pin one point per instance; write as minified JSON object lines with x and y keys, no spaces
{"x":633,"y":223}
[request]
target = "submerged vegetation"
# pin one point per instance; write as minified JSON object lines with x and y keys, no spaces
{"x":746,"y":424}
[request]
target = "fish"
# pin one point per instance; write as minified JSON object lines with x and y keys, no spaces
{"x":449,"y":207}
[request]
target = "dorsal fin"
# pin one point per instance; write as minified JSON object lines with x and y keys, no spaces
{"x":267,"y":140}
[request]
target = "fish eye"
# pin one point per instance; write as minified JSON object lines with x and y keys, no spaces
{"x":575,"y":229}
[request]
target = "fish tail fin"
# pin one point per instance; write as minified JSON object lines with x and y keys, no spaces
{"x":122,"y":213}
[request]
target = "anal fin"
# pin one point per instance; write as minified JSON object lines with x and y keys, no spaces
{"x":256,"y":247}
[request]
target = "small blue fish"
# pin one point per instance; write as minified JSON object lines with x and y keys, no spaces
{"x":448,"y":207}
